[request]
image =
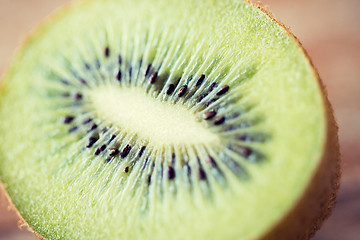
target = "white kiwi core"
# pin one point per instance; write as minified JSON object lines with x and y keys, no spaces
{"x":136,"y":112}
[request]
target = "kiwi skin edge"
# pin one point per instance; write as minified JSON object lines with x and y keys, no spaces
{"x":318,"y":199}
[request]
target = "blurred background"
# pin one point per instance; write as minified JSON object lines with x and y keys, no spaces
{"x":329,"y":31}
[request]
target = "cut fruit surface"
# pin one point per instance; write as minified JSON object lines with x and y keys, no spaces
{"x":166,"y":119}
{"x":137,"y":113}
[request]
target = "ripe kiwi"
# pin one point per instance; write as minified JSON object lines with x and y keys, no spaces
{"x":167,"y":120}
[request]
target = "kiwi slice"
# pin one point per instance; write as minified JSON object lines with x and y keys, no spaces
{"x":167,"y":119}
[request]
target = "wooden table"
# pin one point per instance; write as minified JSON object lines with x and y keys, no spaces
{"x":329,"y":30}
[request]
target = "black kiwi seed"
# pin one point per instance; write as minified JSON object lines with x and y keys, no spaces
{"x":153,"y":77}
{"x":112,"y":138}
{"x":171,"y":173}
{"x":126,"y":169}
{"x":87,"y":121}
{"x":213,"y":85}
{"x":142,"y":149}
{"x":188,"y":168}
{"x":78,"y":96}
{"x":113,"y":152}
{"x":93,"y":127}
{"x":149,"y":179}
{"x":125,"y":151}
{"x":170,"y":89}
{"x":73,"y":129}
{"x":209,"y":115}
{"x":147,"y":72}
{"x":219,"y":120}
{"x":223,"y":90}
{"x":182,"y":91}
{"x":202,"y":174}
{"x":91,"y":142}
{"x":97,"y":151}
{"x":212,"y":162}
{"x":118,"y":75}
{"x":100,"y":149}
{"x":245,"y":151}
{"x":87,"y":66}
{"x":105,"y":129}
{"x":82,"y":81}
{"x":68,"y":119}
{"x":200,"y":80}
{"x":107,"y":52}
{"x":173,"y":158}
{"x":119,"y":59}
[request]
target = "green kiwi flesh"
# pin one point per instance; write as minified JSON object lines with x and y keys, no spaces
{"x":162,"y":120}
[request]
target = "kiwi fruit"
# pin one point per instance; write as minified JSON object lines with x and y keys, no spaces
{"x":167,"y":119}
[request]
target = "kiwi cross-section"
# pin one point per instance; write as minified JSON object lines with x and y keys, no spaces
{"x":167,"y":119}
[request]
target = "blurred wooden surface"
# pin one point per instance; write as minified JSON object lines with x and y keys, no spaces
{"x":330,"y":32}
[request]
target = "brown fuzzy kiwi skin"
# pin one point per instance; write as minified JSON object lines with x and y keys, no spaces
{"x":11,"y":208}
{"x":318,"y":199}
